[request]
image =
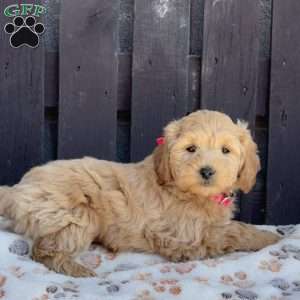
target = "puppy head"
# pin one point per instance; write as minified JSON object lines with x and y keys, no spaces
{"x":207,"y":154}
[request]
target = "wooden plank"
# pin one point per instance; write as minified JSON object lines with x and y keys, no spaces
{"x":230,"y":66}
{"x":52,"y":58}
{"x":230,"y":57}
{"x":88,"y":79}
{"x":21,"y":104}
{"x":160,"y":70}
{"x":125,"y":54}
{"x":283,"y":192}
{"x":196,"y":27}
{"x":123,"y":137}
{"x":126,"y":18}
{"x":194,"y":82}
{"x":124,"y":81}
{"x":263,"y":90}
{"x":265,"y":24}
{"x":50,"y":133}
{"x":195,"y":55}
{"x":51,"y":79}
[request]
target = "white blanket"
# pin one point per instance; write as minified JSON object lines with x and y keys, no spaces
{"x":272,"y":273}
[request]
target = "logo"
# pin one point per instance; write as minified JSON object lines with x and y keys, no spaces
{"x":24,"y":30}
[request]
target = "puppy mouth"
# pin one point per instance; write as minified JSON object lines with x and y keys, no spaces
{"x":206,"y":182}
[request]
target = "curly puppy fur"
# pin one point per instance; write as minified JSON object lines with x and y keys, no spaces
{"x":160,"y":205}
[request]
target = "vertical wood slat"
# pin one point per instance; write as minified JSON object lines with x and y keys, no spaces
{"x":283,"y":191}
{"x":160,"y":70}
{"x":52,"y":78}
{"x":51,"y":36}
{"x":125,"y":54}
{"x":88,"y":79}
{"x":21,"y":104}
{"x":230,"y":64}
{"x":124,"y":81}
{"x":230,"y":57}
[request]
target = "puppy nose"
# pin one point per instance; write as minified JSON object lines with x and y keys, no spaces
{"x":207,"y":172}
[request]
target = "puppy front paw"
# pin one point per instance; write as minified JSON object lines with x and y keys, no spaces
{"x":268,"y":238}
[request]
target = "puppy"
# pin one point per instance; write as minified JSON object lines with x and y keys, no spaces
{"x":176,"y":203}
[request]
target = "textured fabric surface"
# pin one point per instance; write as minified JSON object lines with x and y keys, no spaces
{"x":272,"y":273}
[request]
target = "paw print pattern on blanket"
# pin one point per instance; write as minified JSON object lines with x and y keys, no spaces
{"x":19,"y":247}
{"x":239,"y":279}
{"x":270,"y":274}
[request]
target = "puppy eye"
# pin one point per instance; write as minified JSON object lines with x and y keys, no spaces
{"x":225,"y":150}
{"x":191,"y":149}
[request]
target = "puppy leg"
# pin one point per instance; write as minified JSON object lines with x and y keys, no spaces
{"x":57,"y":250}
{"x":215,"y":241}
{"x":172,"y":248}
{"x":237,"y":236}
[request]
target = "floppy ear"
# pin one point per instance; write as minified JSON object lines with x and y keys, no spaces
{"x":161,"y":154}
{"x":251,"y":163}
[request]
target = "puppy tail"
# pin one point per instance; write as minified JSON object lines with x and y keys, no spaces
{"x":5,"y":201}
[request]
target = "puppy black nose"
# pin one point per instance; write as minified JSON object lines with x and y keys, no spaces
{"x":207,"y":172}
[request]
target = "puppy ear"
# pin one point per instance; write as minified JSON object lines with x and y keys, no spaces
{"x":161,"y":164}
{"x":162,"y":154}
{"x":172,"y":131}
{"x":251,"y":163}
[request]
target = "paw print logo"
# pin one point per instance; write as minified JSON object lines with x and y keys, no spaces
{"x":24,"y":32}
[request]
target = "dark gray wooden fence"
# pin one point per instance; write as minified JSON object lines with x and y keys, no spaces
{"x":114,"y":72}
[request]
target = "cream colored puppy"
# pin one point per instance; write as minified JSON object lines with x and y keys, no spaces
{"x":177,"y":202}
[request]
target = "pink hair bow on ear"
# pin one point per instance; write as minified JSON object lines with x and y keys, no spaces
{"x":160,"y":141}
